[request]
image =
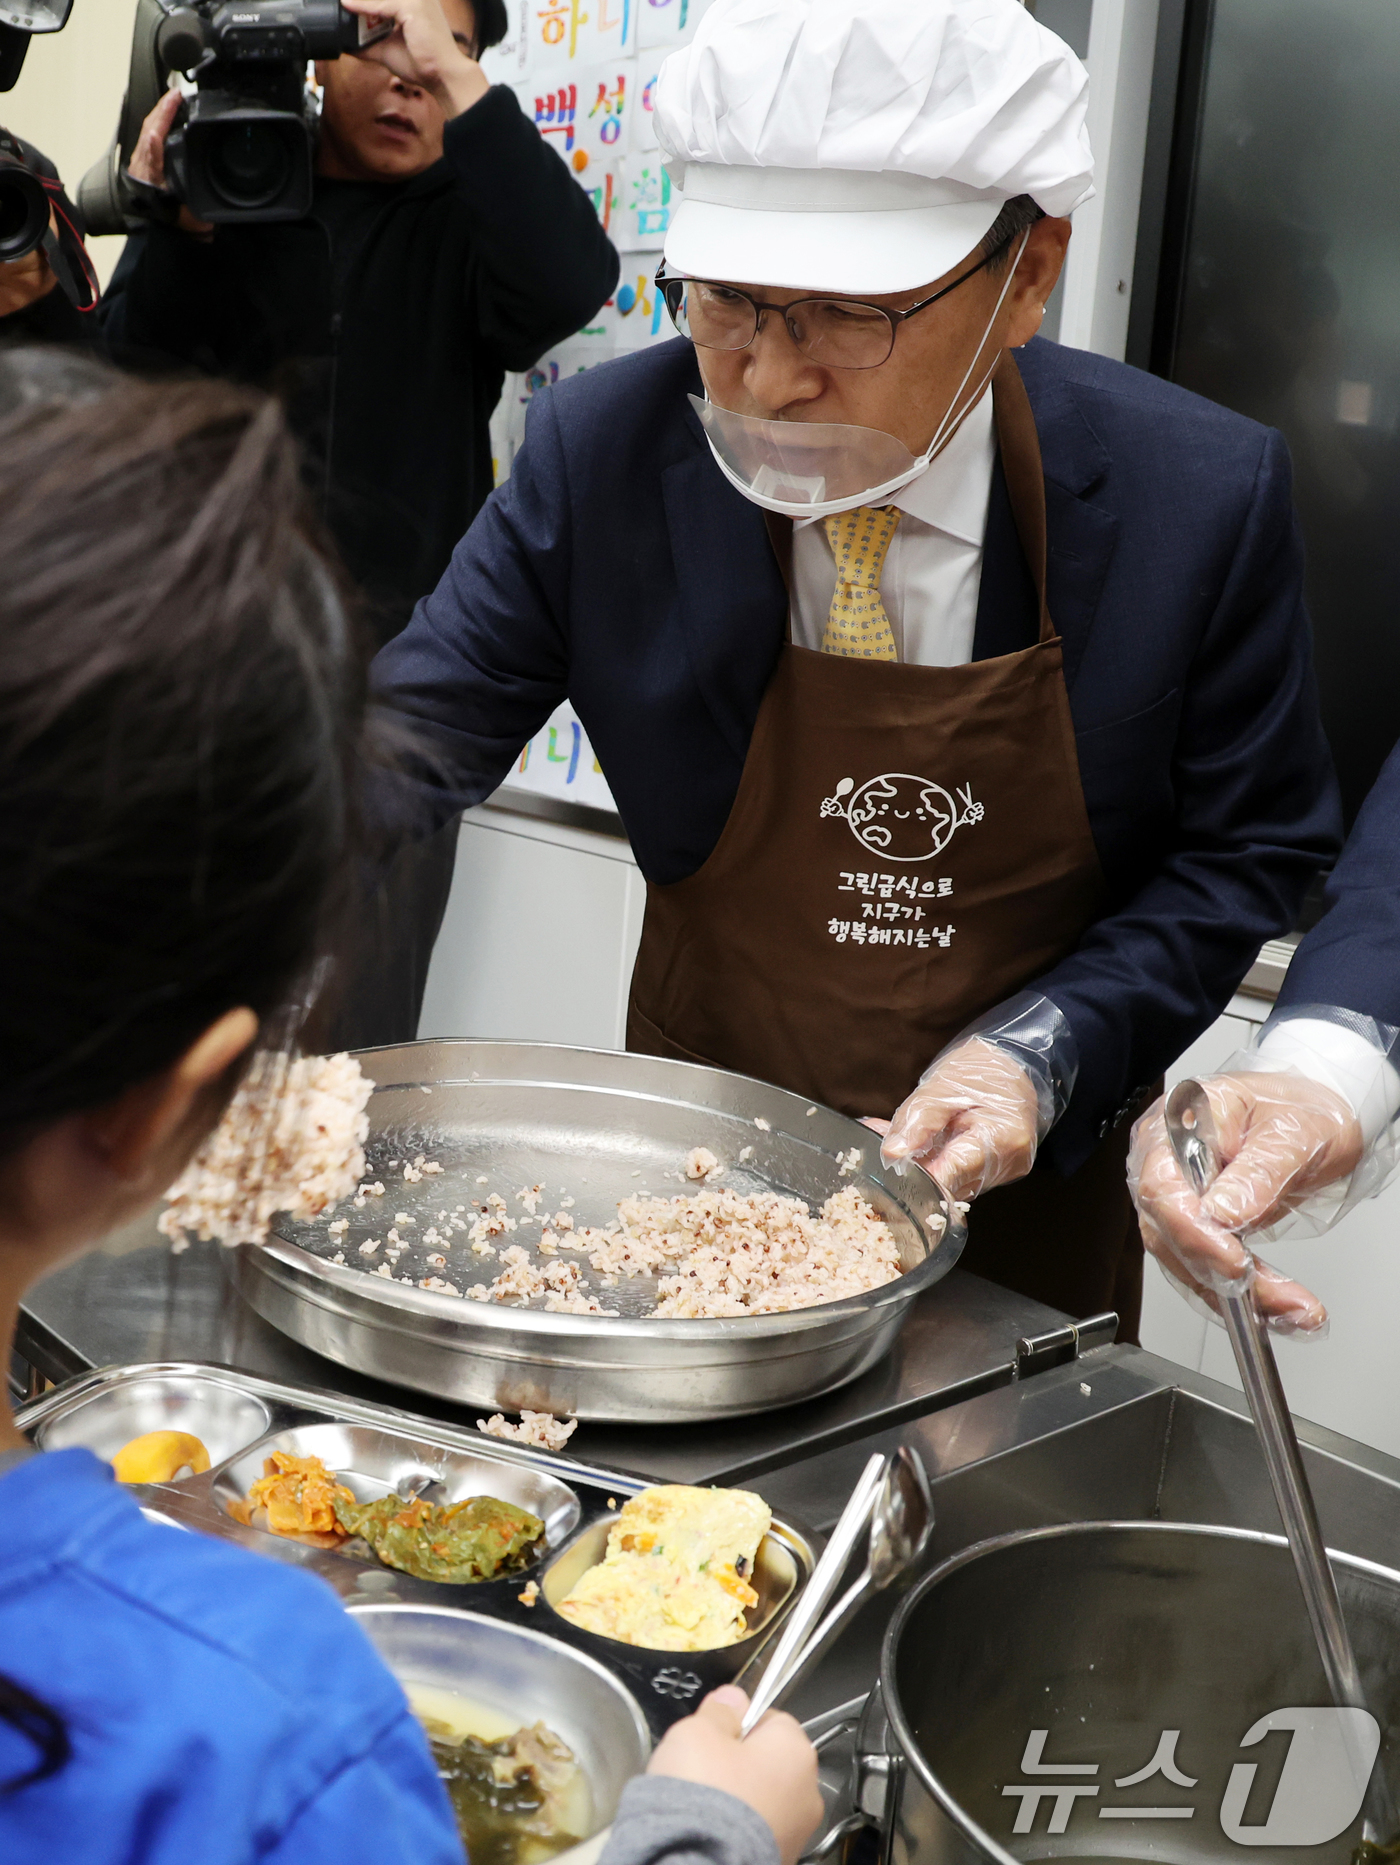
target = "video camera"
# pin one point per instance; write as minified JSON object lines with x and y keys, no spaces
{"x":19,"y":21}
{"x":243,"y":144}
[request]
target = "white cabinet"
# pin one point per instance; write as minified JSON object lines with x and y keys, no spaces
{"x":539,"y":937}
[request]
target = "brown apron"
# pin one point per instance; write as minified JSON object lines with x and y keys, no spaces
{"x":908,"y":847}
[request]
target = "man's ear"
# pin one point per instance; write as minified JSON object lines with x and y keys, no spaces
{"x":1036,"y":277}
{"x":133,"y":1131}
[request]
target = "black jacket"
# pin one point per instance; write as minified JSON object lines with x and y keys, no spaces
{"x":390,"y":367}
{"x":50,"y":319}
{"x":1351,"y":958}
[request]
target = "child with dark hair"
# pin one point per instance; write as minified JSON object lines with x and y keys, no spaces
{"x":180,"y":708}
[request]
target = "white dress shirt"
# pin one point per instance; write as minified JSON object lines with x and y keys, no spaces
{"x":1343,"y":1061}
{"x":933,"y":569}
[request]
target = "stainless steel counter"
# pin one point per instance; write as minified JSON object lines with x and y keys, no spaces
{"x":135,"y":1301}
{"x":1010,"y":1440}
{"x":1118,"y":1435}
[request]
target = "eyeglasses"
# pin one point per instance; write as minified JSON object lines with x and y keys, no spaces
{"x":841,"y":333}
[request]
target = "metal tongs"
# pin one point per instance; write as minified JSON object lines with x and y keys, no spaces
{"x":892,"y":1495}
{"x":1191,"y":1130}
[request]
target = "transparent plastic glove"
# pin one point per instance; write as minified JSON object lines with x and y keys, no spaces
{"x":1283,"y":1138}
{"x":974,"y":1121}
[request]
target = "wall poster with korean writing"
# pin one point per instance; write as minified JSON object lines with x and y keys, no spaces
{"x":559,"y":762}
{"x":584,"y":72}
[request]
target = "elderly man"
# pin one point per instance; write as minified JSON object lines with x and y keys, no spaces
{"x":955,"y":688}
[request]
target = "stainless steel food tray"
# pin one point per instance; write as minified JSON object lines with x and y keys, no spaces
{"x":240,"y":1419}
{"x":594,"y":1126}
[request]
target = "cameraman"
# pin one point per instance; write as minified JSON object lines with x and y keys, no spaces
{"x":446,"y":244}
{"x":36,"y":306}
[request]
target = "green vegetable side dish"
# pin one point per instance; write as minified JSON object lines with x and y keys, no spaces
{"x":472,"y":1540}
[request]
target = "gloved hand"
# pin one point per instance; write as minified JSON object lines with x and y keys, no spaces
{"x":1282,"y":1137}
{"x":974,"y":1121}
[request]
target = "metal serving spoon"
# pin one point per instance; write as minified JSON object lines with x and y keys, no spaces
{"x":893,"y":1494}
{"x":1191,"y":1130}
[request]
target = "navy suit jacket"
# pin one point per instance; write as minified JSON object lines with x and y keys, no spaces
{"x":619,"y":569}
{"x":1352,"y":956}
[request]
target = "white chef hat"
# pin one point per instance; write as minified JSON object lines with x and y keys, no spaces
{"x":863,"y":145}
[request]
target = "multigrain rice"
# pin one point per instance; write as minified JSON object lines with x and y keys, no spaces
{"x":292,"y":1139}
{"x":557,"y":1285}
{"x":714,"y":1253}
{"x":734,"y":1255}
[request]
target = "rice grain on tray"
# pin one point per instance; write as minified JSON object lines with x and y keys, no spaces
{"x":700,"y":1163}
{"x":292,"y":1139}
{"x":541,"y":1429}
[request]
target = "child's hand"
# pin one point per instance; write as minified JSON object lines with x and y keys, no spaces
{"x":773,"y":1770}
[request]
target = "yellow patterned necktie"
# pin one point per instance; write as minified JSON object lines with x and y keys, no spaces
{"x":858,"y":624}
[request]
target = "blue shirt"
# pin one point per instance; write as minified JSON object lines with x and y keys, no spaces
{"x":223,"y":1708}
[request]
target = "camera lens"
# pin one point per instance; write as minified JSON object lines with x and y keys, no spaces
{"x":24,"y":213}
{"x":249,"y":164}
{"x":14,"y":214}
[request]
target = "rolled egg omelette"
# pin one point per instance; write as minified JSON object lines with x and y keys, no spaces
{"x":677,"y":1574}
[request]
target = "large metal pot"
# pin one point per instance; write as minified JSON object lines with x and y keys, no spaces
{"x":1103,"y":1636}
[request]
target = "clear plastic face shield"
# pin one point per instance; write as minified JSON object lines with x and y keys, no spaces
{"x":808,"y":469}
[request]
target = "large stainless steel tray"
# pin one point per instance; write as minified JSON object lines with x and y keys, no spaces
{"x":240,"y":1419}
{"x":595,"y":1126}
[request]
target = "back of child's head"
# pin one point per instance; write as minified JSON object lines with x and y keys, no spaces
{"x":179,"y":707}
{"x":179,"y":699}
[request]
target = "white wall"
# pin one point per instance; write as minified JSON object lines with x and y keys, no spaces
{"x":69,"y":97}
{"x":1098,"y":282}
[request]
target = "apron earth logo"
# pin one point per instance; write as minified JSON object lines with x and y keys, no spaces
{"x":902,"y":817}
